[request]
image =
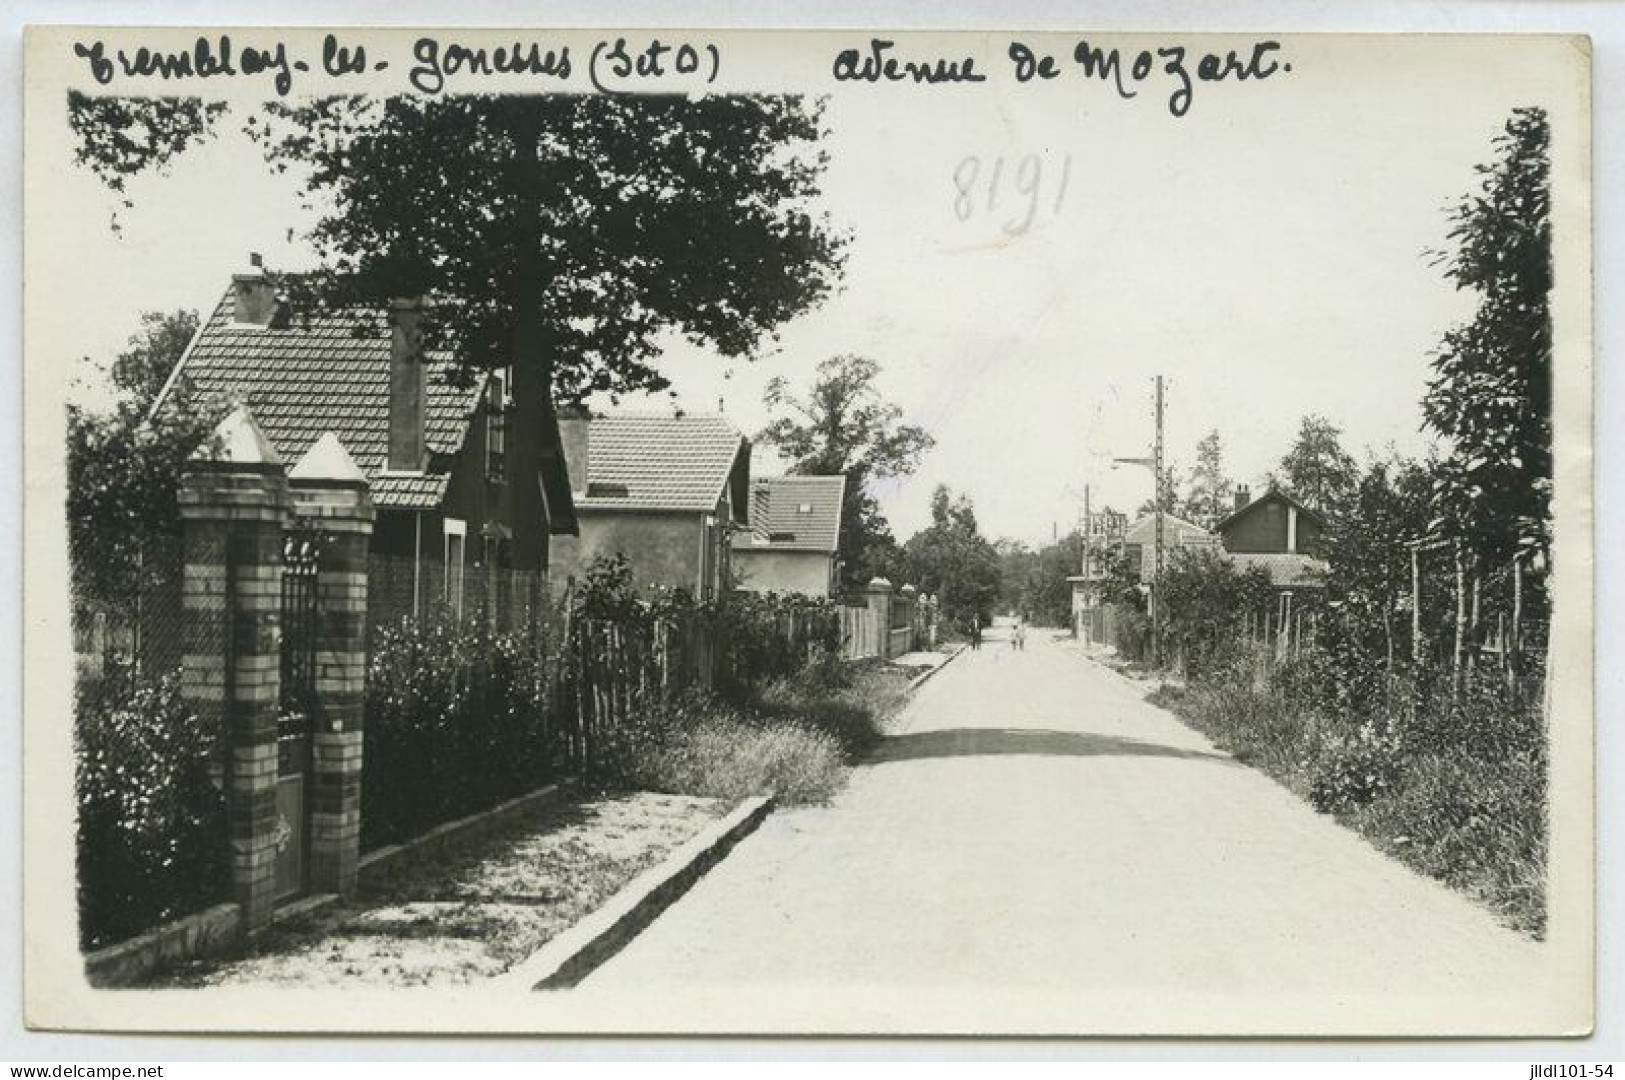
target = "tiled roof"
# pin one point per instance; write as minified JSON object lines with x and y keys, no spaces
{"x":1286,"y":569}
{"x":660,"y":462}
{"x":796,"y":513}
{"x":318,"y":376}
{"x":1175,"y":530}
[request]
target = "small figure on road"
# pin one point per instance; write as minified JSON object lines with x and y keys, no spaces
{"x":1018,"y":634}
{"x":976,"y":631}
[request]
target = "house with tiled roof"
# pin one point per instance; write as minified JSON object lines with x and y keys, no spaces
{"x":1139,"y":541}
{"x":669,"y":492}
{"x":436,"y":452}
{"x":793,"y":543}
{"x":1278,"y":534}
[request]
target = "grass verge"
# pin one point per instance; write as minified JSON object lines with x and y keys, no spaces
{"x":795,"y":740}
{"x":1433,"y":793}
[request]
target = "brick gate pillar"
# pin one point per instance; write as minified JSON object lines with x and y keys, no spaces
{"x":330,"y":494}
{"x":234,"y":505}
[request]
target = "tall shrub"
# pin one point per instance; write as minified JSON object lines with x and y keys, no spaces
{"x":458,"y":719}
{"x":151,"y":834}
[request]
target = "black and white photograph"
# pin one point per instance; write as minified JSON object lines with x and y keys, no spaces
{"x":808,"y":532}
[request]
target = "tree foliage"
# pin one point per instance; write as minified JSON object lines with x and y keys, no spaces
{"x":1203,"y":595}
{"x":844,"y":427}
{"x":610,"y":219}
{"x":117,"y":138}
{"x":562,"y":234}
{"x":124,"y":467}
{"x":1369,"y":566}
{"x":953,"y":561}
{"x":1034,"y":583}
{"x":1208,"y":496}
{"x":1317,"y":471}
{"x":1490,"y":396}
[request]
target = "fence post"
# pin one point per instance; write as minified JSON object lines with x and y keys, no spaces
{"x":877,"y":595}
{"x":234,"y":504}
{"x":330,"y":493}
{"x":909,"y":597}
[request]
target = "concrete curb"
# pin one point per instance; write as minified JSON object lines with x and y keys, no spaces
{"x":209,"y":932}
{"x":378,"y":865}
{"x":919,"y":680}
{"x":569,"y":958}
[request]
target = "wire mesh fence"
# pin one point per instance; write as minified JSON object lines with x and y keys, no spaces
{"x":151,"y":830}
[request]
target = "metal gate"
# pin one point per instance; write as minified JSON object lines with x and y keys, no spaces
{"x":301,"y":564}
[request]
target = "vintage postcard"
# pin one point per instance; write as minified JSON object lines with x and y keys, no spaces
{"x":582,"y":531}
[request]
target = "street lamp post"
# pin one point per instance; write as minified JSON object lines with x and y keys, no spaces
{"x":1154,"y":463}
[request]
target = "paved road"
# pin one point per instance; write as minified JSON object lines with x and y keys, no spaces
{"x":1038,"y":849}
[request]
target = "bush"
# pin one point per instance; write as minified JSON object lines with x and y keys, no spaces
{"x":152,"y":842}
{"x":1355,"y":771}
{"x":458,"y":718}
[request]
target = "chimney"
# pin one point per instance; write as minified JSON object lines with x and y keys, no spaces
{"x":573,"y":423}
{"x":407,"y":401}
{"x":1243,"y":497}
{"x":253,"y":296}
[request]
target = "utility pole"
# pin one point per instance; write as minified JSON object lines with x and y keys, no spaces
{"x":1156,"y":579}
{"x":1154,"y":463}
{"x":1088,"y":531}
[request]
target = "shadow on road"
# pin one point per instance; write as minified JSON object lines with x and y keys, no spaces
{"x":1040,"y":742}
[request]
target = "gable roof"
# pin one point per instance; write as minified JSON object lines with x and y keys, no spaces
{"x":660,"y":462}
{"x":317,"y":375}
{"x":796,"y":513}
{"x":1287,"y":570}
{"x":1275,"y":494}
{"x":1175,"y":529}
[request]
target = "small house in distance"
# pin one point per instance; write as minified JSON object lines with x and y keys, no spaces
{"x":668,"y":492}
{"x":1279,"y":534}
{"x":436,"y":452}
{"x":1140,"y":538}
{"x":793,"y":544}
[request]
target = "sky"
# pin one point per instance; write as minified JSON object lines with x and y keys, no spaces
{"x":1266,"y":253}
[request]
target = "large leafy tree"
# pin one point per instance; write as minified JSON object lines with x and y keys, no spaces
{"x":565,"y":234}
{"x":952,"y":560}
{"x":1490,"y":396}
{"x":1317,"y":470}
{"x":843,"y":426}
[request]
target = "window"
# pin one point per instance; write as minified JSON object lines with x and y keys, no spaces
{"x":497,"y":401}
{"x":456,"y":546}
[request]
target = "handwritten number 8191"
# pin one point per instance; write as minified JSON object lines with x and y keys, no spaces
{"x":1027,"y":191}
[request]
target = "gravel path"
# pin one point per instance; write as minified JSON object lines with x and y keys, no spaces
{"x":1038,"y":849}
{"x":454,"y":921}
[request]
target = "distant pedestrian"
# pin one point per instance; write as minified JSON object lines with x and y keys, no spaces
{"x":976,"y":631}
{"x":1018,"y":634}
